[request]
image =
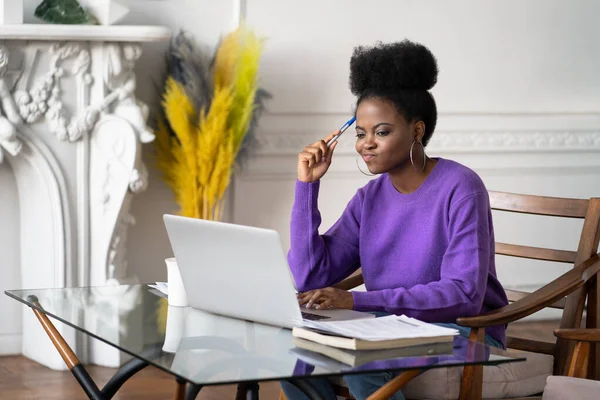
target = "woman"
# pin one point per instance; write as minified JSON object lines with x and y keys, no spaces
{"x":422,"y":231}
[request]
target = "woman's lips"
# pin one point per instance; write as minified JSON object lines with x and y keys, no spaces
{"x":368,"y":157}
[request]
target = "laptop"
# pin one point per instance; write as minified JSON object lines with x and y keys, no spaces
{"x":240,"y":271}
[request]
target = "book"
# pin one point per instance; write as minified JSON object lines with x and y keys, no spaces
{"x":318,"y":360}
{"x":379,"y":333}
{"x":355,"y":358}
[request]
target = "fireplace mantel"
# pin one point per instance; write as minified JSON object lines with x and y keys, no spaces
{"x":88,"y":33}
{"x":71,"y":129}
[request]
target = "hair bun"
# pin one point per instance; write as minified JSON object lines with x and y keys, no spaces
{"x":389,"y":67}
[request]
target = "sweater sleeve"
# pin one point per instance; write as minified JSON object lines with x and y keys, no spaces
{"x":463,"y":276}
{"x":318,"y":261}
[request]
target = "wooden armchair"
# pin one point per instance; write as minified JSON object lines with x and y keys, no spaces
{"x":568,"y":292}
{"x":572,"y":386}
{"x":581,"y":359}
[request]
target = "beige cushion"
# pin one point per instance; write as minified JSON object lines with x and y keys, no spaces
{"x":563,"y":387}
{"x":510,"y":380}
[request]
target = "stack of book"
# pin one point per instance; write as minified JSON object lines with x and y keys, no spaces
{"x":356,"y":342}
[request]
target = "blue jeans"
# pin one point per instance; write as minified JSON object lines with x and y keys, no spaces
{"x":363,"y":385}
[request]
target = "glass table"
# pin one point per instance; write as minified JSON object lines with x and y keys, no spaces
{"x":202,"y":349}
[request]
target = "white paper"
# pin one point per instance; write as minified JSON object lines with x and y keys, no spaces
{"x":382,"y":328}
{"x":162,"y":287}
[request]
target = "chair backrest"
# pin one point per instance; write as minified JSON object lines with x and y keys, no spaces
{"x":573,"y":304}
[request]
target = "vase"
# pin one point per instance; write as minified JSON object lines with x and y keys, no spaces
{"x":177,"y":296}
{"x":11,"y":12}
{"x":174,"y":328}
{"x":62,"y":12}
{"x":106,"y":12}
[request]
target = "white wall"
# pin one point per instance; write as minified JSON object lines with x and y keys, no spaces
{"x":509,"y":56}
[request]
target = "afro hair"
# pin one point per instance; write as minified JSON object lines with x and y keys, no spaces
{"x":401,"y":72}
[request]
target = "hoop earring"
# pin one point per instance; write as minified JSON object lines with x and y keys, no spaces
{"x":361,"y":171}
{"x":411,"y":156}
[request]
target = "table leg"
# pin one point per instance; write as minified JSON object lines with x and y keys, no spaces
{"x":248,"y":391}
{"x":192,"y":391}
{"x":85,"y":380}
{"x":129,"y":369}
{"x":180,"y":389}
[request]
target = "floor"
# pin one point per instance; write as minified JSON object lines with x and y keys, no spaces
{"x":23,"y":379}
{"x":26,"y":380}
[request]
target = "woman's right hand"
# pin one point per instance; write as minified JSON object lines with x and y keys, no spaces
{"x":314,"y":160}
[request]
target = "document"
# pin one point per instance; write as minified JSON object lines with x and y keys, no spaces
{"x":162,"y":287}
{"x":384,"y":328}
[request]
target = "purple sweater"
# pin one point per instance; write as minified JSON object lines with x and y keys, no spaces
{"x":428,"y":254}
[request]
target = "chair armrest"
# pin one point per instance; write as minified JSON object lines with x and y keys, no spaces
{"x":580,"y":335}
{"x":351,"y":282}
{"x":543,"y":297}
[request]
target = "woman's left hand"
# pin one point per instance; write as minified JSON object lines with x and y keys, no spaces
{"x":327,"y":298}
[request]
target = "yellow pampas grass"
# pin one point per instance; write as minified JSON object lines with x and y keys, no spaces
{"x":226,"y":60}
{"x":180,"y":114}
{"x":200,"y":134}
{"x":245,"y":84}
{"x":212,"y":132}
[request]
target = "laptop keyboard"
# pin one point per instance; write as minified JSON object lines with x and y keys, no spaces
{"x":313,"y":317}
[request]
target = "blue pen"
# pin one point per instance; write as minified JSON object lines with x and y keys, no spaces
{"x":342,"y":129}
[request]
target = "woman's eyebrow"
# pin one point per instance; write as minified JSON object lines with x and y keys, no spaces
{"x":375,"y":127}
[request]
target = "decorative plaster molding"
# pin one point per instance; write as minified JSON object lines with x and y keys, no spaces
{"x":45,"y":228}
{"x":44,"y":99}
{"x":456,"y":141}
{"x":9,"y":117}
{"x":118,"y":106}
{"x":106,"y":125}
{"x":117,"y":173}
{"x":120,"y":80}
{"x":139,"y":179}
{"x":517,"y":141}
{"x":116,"y":156}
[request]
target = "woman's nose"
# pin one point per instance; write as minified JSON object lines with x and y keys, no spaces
{"x":369,"y":142}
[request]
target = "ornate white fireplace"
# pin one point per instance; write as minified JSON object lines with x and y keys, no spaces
{"x":71,"y":131}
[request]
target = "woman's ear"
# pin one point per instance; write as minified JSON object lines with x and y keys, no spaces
{"x":419,"y":131}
